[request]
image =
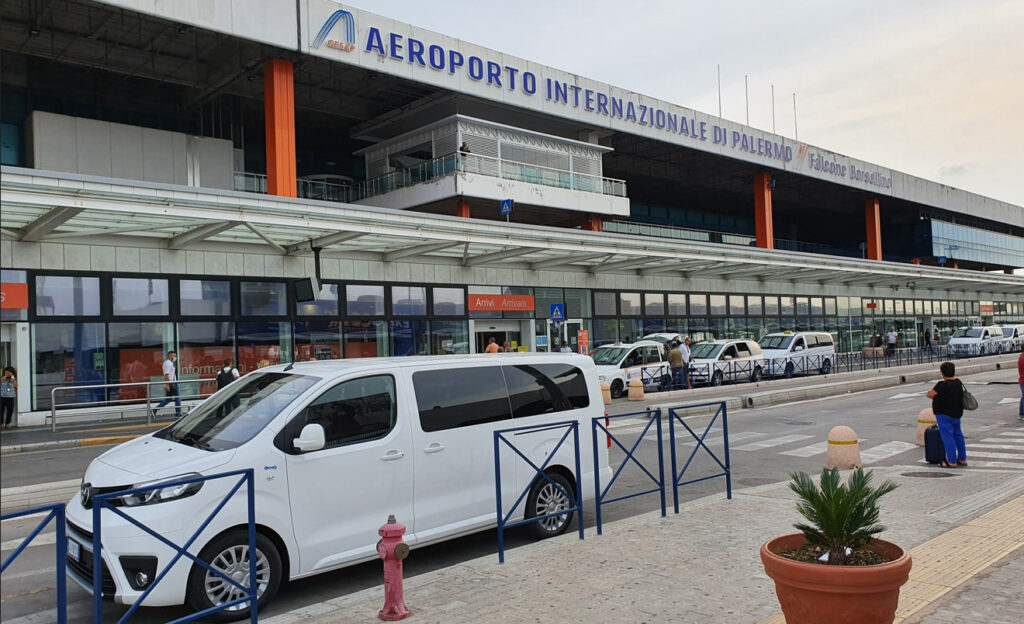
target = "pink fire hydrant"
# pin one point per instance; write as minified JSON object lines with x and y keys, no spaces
{"x":393,"y":550}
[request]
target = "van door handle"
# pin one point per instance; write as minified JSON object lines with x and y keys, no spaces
{"x":392,"y":456}
{"x":436,"y":447}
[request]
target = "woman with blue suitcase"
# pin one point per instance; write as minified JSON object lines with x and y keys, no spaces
{"x":947,"y":403}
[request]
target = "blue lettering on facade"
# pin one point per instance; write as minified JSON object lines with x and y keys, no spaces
{"x":602,"y":103}
{"x":588,"y":100}
{"x":455,"y":60}
{"x":529,"y":83}
{"x":616,"y":108}
{"x":630,"y":112}
{"x":493,"y":73}
{"x":476,"y":68}
{"x":395,"y":46}
{"x":512,"y":71}
{"x":374,"y":43}
{"x":436,"y":57}
{"x":416,"y":52}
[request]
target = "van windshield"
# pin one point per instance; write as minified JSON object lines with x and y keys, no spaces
{"x":232,"y":416}
{"x":1007,"y":332}
{"x":608,"y":355}
{"x":968,"y":332}
{"x":705,"y":351}
{"x":775,"y":342}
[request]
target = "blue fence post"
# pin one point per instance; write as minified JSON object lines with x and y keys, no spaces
{"x":725,"y":437}
{"x":497,"y":498}
{"x":597,"y":476}
{"x":579,"y":476}
{"x":97,"y":563}
{"x":672,"y":451}
{"x":57,"y":514}
{"x":254,"y":585}
{"x":62,"y":562}
{"x":661,"y":463}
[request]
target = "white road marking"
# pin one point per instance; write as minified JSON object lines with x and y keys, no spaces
{"x":990,"y":455}
{"x":1005,"y":447}
{"x":1013,"y":400}
{"x":717,"y":439}
{"x":808,"y":451}
{"x":907,"y":395}
{"x":1012,"y":434}
{"x":763,"y":444}
{"x":43,"y":539}
{"x":885,"y":451}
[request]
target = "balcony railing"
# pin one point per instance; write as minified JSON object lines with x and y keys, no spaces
{"x":438,"y":168}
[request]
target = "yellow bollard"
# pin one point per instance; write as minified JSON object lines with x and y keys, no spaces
{"x":843,"y":448}
{"x":925,"y":419}
{"x":606,"y":392}
{"x":636,"y":389}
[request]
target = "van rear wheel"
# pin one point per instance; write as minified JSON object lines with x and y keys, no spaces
{"x":545,"y":498}
{"x":229,"y":554}
{"x":617,"y":388}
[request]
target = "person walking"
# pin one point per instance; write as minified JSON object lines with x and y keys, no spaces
{"x":171,"y":385}
{"x":675,"y":365}
{"x":1020,"y":380}
{"x":227,"y":374}
{"x":8,"y":395}
{"x":947,"y":403}
{"x":492,"y":346}
{"x":685,"y":350}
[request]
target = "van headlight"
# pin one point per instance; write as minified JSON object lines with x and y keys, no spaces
{"x":170,"y":492}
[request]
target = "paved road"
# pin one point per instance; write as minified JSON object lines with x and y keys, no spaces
{"x":766,"y":444}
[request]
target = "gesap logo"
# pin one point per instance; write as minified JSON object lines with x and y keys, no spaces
{"x":349,"y":43}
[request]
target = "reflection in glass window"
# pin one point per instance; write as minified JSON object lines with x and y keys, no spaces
{"x":677,"y":305}
{"x":787,"y":306}
{"x":264,"y":299}
{"x":364,"y":300}
{"x":205,"y":298}
{"x":629,"y":304}
{"x":545,"y":388}
{"x":317,"y":340}
{"x":577,"y":303}
{"x":135,"y":353}
{"x":449,"y":302}
{"x":263,"y":344}
{"x":409,"y":338}
{"x":698,"y":305}
{"x":409,"y":300}
{"x":67,"y":354}
{"x":326,"y":303}
{"x":817,"y":306}
{"x":460,"y":397}
{"x":350,"y":412}
{"x":140,"y":297}
{"x":830,"y":306}
{"x":803,"y":305}
{"x":771,"y":306}
{"x":654,"y":304}
{"x":736,"y":307}
{"x":754,"y":306}
{"x":449,"y":337}
{"x":64,"y":295}
{"x":604,"y":304}
{"x":202,"y":349}
{"x":717,"y":305}
{"x":365,"y":339}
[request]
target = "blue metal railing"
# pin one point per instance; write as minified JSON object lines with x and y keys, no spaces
{"x":102,"y":501}
{"x":601,"y":496}
{"x":677,"y":476}
{"x":571,"y":427}
{"x":57,"y":515}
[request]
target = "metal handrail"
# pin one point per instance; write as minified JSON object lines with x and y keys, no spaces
{"x":119,"y":402}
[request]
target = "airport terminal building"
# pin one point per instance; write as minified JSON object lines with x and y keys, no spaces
{"x":170,"y":169}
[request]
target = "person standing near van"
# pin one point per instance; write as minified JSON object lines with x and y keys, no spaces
{"x":9,"y":395}
{"x":685,"y":350}
{"x":492,"y":346}
{"x":171,"y":385}
{"x":1020,"y":380}
{"x":675,"y":365}
{"x":947,"y":403}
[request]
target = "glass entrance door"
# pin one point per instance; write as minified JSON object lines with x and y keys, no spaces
{"x":564,"y":333}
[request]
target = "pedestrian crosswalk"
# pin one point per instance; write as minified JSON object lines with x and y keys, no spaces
{"x":987,"y":449}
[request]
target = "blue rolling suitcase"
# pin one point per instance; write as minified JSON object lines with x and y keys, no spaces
{"x":934,"y":450}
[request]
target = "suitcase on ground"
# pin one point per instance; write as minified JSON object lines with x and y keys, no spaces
{"x":934,"y":450}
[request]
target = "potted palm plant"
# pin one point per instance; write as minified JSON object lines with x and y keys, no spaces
{"x":835,"y":571}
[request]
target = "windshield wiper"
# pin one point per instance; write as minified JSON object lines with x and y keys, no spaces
{"x":193,"y":440}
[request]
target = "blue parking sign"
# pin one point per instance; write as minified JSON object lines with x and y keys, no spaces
{"x":557,"y":311}
{"x":506,"y":206}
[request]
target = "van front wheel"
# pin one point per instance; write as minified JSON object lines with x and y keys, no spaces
{"x":544,"y":499}
{"x":617,"y":388}
{"x":229,"y":554}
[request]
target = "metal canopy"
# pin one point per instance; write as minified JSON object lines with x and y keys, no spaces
{"x":48,"y":206}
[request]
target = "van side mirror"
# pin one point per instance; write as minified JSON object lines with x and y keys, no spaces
{"x":727,"y":357}
{"x":311,"y":439}
{"x":798,"y":348}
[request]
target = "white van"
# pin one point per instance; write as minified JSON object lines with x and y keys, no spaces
{"x":665,"y":338}
{"x":975,"y":341}
{"x":791,"y":353}
{"x":1013,"y":337}
{"x":336,"y":447}
{"x":618,"y":363}
{"x":717,"y":361}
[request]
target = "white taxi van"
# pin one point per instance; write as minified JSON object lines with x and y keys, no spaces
{"x":975,"y":341}
{"x":618,"y":363}
{"x":717,"y":361}
{"x":336,"y":447}
{"x":791,"y":353}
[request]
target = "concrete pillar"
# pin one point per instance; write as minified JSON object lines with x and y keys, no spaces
{"x":279,"y":118}
{"x":592,"y":223}
{"x":462,"y":209}
{"x":873,"y":221}
{"x":763,"y":210}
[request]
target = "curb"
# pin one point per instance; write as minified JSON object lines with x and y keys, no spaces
{"x":61,"y":444}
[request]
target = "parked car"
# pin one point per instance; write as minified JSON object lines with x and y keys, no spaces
{"x":618,"y":363}
{"x":1013,"y":337}
{"x":336,"y":447}
{"x":792,"y":353}
{"x":665,"y":338}
{"x":975,"y":341}
{"x":717,"y":361}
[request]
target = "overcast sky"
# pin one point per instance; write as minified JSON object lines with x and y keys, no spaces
{"x":934,"y":88}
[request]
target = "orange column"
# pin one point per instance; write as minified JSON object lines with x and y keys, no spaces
{"x":462,"y":209}
{"x":874,"y":229}
{"x":592,"y":223}
{"x":1008,"y":271}
{"x":279,"y":116}
{"x":763,"y":211}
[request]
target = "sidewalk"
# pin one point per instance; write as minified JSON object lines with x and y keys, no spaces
{"x":703,"y":565}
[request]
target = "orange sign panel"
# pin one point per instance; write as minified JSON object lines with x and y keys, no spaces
{"x":13,"y":296}
{"x":987,"y":309}
{"x":500,"y":303}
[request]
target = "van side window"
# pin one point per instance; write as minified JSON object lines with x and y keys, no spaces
{"x":799,"y":342}
{"x":352,"y":411}
{"x":812,"y":341}
{"x":730,"y":351}
{"x":545,"y":388}
{"x":825,"y":340}
{"x":742,"y":349}
{"x":460,"y":397}
{"x":633,"y":359}
{"x":652,"y":355}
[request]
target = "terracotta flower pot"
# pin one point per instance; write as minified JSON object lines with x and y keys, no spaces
{"x":813,"y":593}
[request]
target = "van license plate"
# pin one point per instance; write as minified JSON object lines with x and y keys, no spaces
{"x":74,"y":549}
